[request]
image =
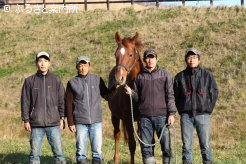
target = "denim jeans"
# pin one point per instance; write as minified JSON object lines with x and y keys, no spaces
{"x":54,"y":138}
{"x":94,"y":131}
{"x":202,"y":125}
{"x":148,"y":125}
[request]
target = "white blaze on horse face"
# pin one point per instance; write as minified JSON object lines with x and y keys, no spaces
{"x":122,"y":51}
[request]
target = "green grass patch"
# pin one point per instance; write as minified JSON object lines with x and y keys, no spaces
{"x":6,"y":72}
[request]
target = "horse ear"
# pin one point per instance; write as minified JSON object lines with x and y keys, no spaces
{"x":117,"y":38}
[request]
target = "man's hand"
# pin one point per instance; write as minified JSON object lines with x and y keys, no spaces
{"x":128,"y":90}
{"x":72,"y":128}
{"x":27,"y":127}
{"x":62,"y":124}
{"x":171,"y":120}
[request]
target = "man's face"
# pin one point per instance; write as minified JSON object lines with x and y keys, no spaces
{"x":192,"y":61}
{"x":150,"y":62}
{"x":83,"y":68}
{"x":43,"y":65}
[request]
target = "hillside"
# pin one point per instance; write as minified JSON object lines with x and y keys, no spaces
{"x":219,"y":33}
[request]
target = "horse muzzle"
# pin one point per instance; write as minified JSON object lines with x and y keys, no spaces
{"x":120,"y":75}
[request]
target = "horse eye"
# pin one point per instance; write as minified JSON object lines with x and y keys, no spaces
{"x":130,"y":55}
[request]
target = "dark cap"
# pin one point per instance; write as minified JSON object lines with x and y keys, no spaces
{"x":42,"y":54}
{"x":83,"y":58}
{"x":192,"y":51}
{"x":150,"y":52}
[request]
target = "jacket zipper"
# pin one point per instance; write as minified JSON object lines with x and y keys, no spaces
{"x":193,"y":94}
{"x":151,"y":93}
{"x":45,"y":104}
{"x":87,"y":90}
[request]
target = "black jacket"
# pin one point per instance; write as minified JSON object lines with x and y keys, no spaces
{"x":42,"y":100}
{"x":154,"y":93}
{"x":195,"y":91}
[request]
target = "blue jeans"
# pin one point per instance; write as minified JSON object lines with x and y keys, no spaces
{"x":54,"y":138}
{"x":94,"y":131}
{"x":202,"y":125}
{"x":148,"y":125}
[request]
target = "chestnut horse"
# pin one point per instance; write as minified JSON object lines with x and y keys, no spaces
{"x":128,"y":65}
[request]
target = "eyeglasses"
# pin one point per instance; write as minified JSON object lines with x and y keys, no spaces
{"x":192,"y":57}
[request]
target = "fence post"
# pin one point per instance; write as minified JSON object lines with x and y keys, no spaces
{"x":24,"y":4}
{"x":64,"y":2}
{"x":107,"y":4}
{"x":131,"y":2}
{"x":85,"y":5}
{"x":44,"y":5}
{"x":242,"y":3}
{"x":183,"y":2}
{"x":211,"y":3}
{"x":157,"y":3}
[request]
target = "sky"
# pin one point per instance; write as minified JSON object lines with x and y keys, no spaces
{"x":207,"y":3}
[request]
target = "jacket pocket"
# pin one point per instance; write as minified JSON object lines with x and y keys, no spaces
{"x":31,"y":113}
{"x":203,"y":101}
{"x":53,"y":115}
{"x":184,"y":102}
{"x":36,"y":115}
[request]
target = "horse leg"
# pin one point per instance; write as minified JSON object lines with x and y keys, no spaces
{"x":116,"y":124}
{"x":131,"y":139}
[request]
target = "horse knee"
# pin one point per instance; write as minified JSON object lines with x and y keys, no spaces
{"x":132,"y":146}
{"x":116,"y":135}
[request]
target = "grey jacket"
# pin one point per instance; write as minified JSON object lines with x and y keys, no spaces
{"x":42,"y":100}
{"x":154,"y":93}
{"x":83,"y":99}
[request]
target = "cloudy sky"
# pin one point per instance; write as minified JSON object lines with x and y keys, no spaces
{"x":207,"y":3}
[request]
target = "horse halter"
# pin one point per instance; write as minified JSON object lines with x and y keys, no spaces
{"x":128,"y":69}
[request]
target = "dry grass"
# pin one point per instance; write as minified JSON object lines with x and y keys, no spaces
{"x":220,"y":34}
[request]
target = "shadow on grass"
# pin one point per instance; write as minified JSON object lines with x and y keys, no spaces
{"x":121,"y":162}
{"x":21,"y":158}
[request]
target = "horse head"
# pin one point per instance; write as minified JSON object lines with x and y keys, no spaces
{"x":128,"y":60}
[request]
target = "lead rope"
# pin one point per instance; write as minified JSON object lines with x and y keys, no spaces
{"x":165,"y":126}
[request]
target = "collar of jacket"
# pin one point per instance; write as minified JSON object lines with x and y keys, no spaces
{"x":147,"y":71}
{"x":192,"y":71}
{"x":39,"y":74}
{"x":82,"y":76}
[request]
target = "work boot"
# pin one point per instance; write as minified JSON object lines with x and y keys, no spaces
{"x":166,"y":160}
{"x":149,"y":160}
{"x":61,"y":162}
{"x":82,"y":161}
{"x":94,"y":161}
{"x":187,"y":162}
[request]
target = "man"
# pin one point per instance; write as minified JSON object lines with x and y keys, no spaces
{"x":42,"y":109}
{"x":84,"y":113}
{"x":153,"y":90}
{"x":196,"y":93}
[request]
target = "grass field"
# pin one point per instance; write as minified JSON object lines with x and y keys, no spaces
{"x":219,"y":33}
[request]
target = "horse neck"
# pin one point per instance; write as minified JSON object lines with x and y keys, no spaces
{"x":135,"y":71}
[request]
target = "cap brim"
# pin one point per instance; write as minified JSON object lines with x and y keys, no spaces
{"x":84,"y":61}
{"x":148,"y":55}
{"x":43,"y":56}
